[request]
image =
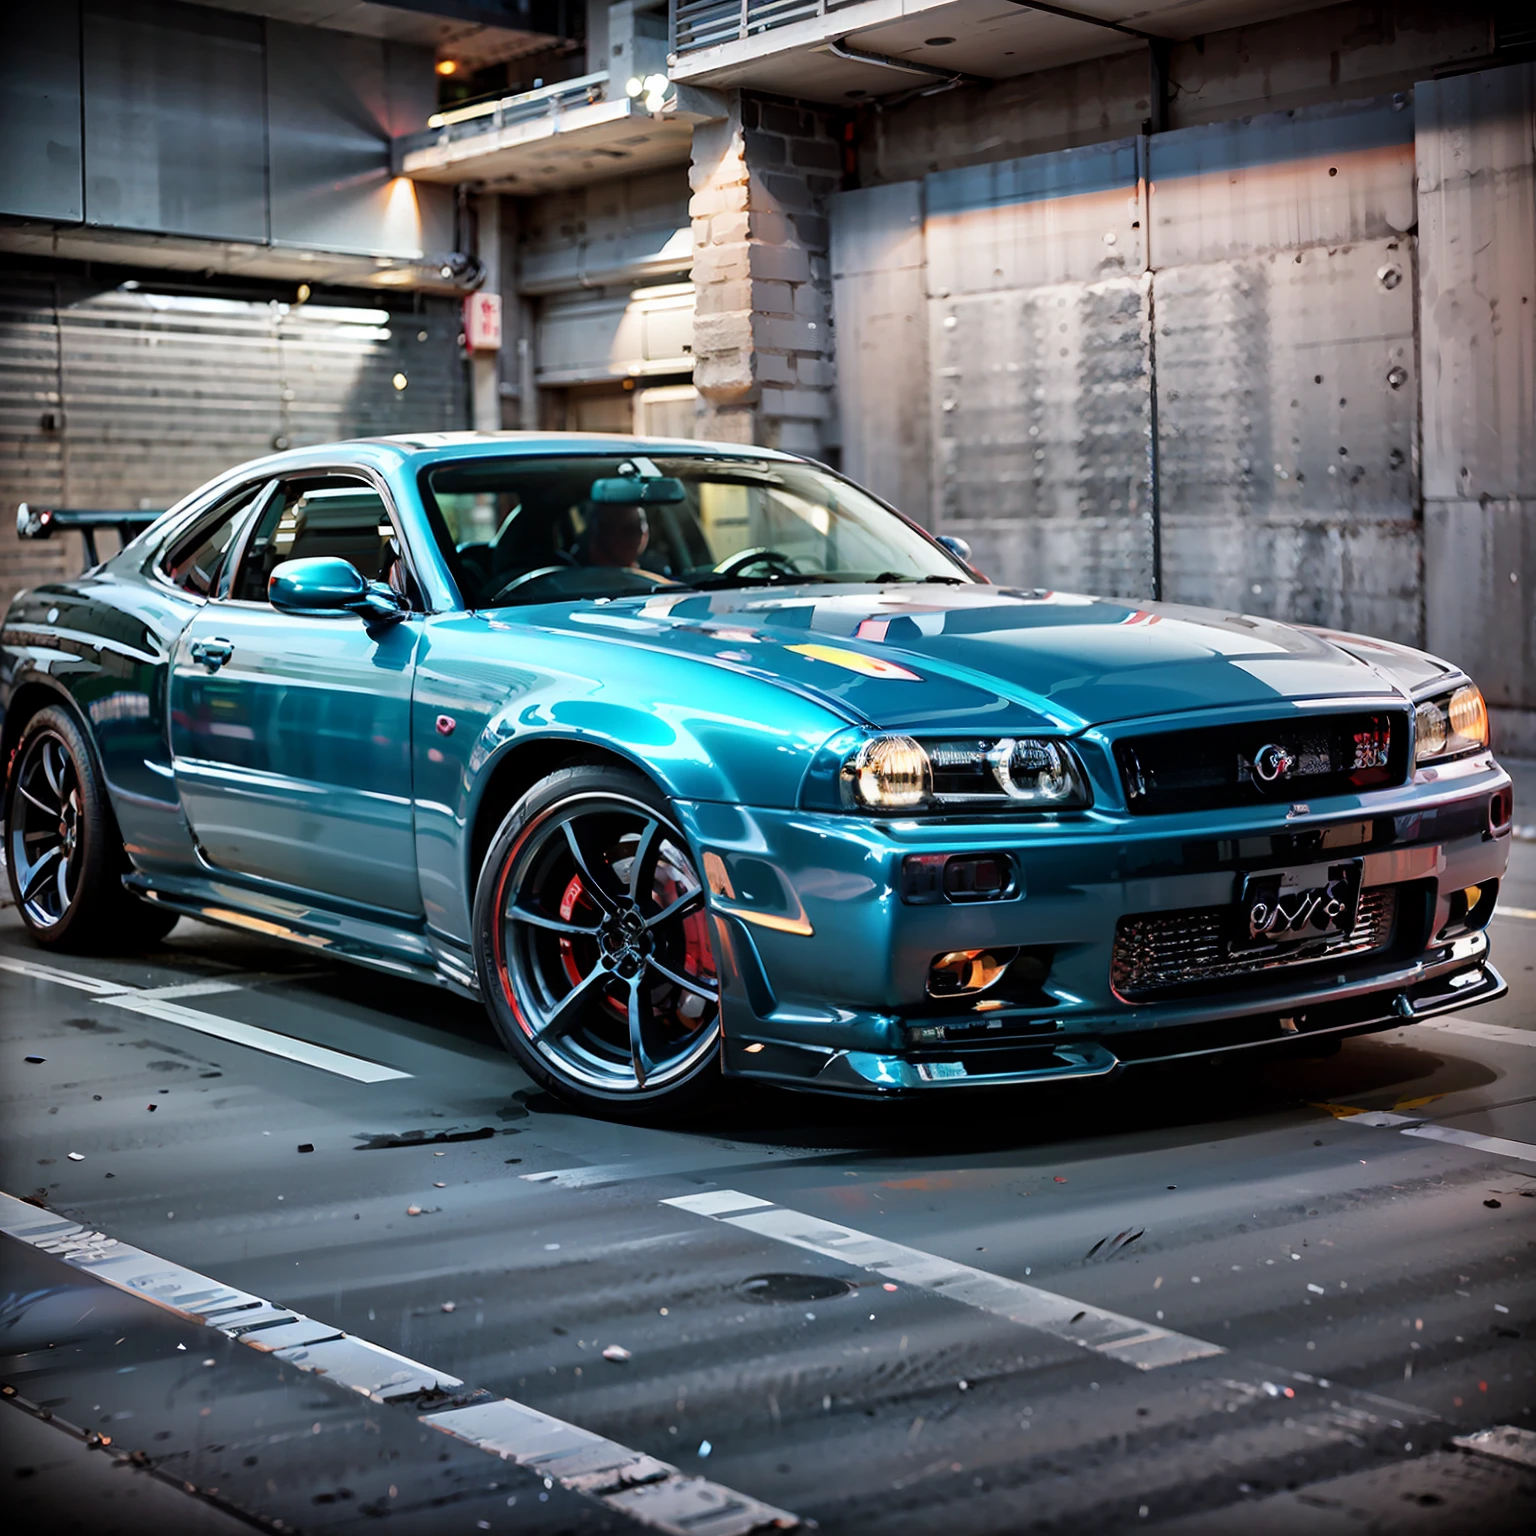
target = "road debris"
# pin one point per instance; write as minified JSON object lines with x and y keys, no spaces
{"x":77,"y":1157}
{"x":1493,"y":1205}
{"x":36,"y":1061}
{"x":306,"y":1146}
{"x":449,"y":1306}
{"x":413,"y":1210}
{"x":618,"y":1353}
{"x":705,"y":1448}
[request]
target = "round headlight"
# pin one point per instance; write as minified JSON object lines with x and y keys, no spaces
{"x":1433,"y":730}
{"x":1469,"y":716}
{"x":891,"y":773}
{"x":1033,"y":769}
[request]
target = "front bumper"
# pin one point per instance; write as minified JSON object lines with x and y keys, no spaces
{"x":824,"y":966}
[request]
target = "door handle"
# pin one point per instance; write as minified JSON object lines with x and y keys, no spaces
{"x":211,"y":653}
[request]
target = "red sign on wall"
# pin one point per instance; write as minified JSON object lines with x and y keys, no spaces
{"x":482,"y":322}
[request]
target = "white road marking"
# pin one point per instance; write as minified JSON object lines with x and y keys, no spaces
{"x":159,"y":1003}
{"x":1524,"y":913}
{"x":648,"y":1491}
{"x":1505,"y":1443}
{"x":1411,"y":1125}
{"x":63,"y":978}
{"x":1143,"y":1345}
{"x":189,"y":989}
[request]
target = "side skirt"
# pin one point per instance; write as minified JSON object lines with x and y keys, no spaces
{"x":380,"y":946}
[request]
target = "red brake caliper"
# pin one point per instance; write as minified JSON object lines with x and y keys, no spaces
{"x":573,"y":894}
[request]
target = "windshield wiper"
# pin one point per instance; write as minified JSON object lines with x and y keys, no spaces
{"x":956,"y":581}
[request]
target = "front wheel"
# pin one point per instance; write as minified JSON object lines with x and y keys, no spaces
{"x":593,"y":946}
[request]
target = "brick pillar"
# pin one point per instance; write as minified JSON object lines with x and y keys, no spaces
{"x":762,"y":342}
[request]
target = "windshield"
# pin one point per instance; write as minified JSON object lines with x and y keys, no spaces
{"x":532,"y":529}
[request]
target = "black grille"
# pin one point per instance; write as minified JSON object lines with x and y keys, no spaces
{"x":1297,"y":758}
{"x":1162,"y":951}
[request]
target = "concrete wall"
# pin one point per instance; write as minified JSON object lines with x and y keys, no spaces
{"x":173,"y":120}
{"x":1477,"y":242}
{"x":1194,"y":358}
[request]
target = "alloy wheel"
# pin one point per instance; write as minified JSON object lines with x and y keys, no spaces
{"x":602,"y":946}
{"x":46,"y":830}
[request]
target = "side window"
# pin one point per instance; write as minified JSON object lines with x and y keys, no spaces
{"x":330,"y":516}
{"x":196,"y":559}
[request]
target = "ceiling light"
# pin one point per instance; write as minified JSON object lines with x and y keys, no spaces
{"x":447,"y":66}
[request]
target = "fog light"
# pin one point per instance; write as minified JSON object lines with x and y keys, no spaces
{"x":961,"y":972}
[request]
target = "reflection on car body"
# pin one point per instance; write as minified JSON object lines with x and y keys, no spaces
{"x":682,"y":757}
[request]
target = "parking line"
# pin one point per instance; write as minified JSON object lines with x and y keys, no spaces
{"x":158,"y":1003}
{"x":631,"y":1483}
{"x":1409,"y":1125}
{"x":1522,"y":912}
{"x":1144,"y":1345}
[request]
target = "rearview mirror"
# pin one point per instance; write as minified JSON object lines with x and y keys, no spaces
{"x":633,"y":490}
{"x":957,"y":547}
{"x":325,"y":585}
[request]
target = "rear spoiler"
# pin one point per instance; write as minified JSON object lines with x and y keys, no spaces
{"x":40,"y":523}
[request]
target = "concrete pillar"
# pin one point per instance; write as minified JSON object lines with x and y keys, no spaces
{"x":1477,"y":302}
{"x":763,"y":346}
{"x":485,"y":367}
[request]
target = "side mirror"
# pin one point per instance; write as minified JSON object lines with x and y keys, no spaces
{"x":326,"y":586}
{"x":957,"y":547}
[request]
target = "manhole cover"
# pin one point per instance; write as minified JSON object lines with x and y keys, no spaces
{"x":793,"y":1288}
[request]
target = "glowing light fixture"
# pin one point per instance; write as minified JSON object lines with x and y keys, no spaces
{"x":447,"y":66}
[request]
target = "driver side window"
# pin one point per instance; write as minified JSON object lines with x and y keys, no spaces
{"x":331,"y":515}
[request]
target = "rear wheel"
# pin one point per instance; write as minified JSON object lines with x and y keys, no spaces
{"x":63,"y":852}
{"x":593,"y":946}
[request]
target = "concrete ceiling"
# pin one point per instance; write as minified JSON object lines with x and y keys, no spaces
{"x":476,"y":33}
{"x":992,"y":39}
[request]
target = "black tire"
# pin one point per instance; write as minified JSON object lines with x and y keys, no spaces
{"x":609,"y":1001}
{"x":67,"y":876}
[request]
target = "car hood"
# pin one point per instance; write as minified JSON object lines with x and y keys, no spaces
{"x":979,"y":658}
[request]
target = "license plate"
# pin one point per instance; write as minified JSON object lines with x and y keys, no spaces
{"x":1294,"y":906}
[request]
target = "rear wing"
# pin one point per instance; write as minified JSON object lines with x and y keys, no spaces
{"x":41,"y":523}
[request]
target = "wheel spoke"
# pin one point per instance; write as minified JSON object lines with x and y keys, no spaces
{"x":686,"y":903}
{"x":568,"y":1009}
{"x":695,"y":984}
{"x":34,"y":881}
{"x":588,"y":879}
{"x":517,"y":913}
{"x":53,"y":768}
{"x":47,"y":810}
{"x":638,"y":1059}
{"x":63,"y":884}
{"x":646,"y":851}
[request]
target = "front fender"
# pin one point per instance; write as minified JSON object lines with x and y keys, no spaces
{"x":488,"y":692}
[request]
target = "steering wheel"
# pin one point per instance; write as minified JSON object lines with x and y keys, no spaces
{"x":778,"y":564}
{"x":508,"y":588}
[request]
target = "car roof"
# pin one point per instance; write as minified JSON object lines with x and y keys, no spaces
{"x":406,"y":448}
{"x":493,"y":443}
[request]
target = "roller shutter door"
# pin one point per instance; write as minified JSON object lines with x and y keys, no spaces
{"x":123,"y":397}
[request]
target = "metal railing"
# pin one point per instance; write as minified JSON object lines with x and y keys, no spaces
{"x":492,"y":116}
{"x":695,"y":24}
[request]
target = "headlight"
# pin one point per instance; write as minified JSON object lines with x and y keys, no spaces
{"x":890,"y":773}
{"x":1450,"y":726}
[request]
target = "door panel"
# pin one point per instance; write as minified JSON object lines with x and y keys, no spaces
{"x":292,"y":757}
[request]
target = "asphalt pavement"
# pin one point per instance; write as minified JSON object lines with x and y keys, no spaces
{"x":1271,"y":1295}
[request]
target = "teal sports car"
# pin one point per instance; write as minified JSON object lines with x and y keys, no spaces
{"x":688,"y":758}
